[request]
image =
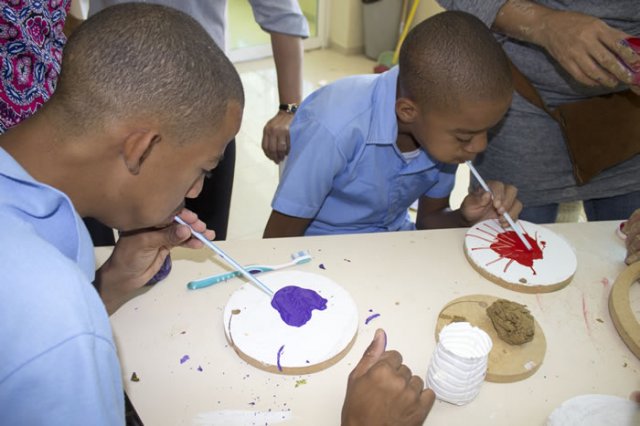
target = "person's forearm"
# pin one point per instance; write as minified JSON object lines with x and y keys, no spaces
{"x":287,"y":55}
{"x":443,"y":219}
{"x":523,"y":20}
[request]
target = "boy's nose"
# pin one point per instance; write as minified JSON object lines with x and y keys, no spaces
{"x":195,"y":190}
{"x":478,"y":144}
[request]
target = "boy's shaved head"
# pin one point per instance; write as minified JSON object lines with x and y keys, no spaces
{"x":450,"y":58}
{"x":146,"y":60}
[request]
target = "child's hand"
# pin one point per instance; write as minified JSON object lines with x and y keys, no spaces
{"x":138,"y":256}
{"x":479,"y":205}
{"x":383,"y":391}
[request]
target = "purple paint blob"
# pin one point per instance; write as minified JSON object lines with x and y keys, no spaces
{"x":321,"y":266}
{"x":296,"y":304}
{"x":280,"y":354}
{"x":184,"y":359}
{"x":370,"y":318}
{"x":200,"y":368}
{"x":162,"y":273}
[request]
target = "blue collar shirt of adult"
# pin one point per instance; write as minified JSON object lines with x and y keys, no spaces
{"x":58,"y":361}
{"x":345,"y":171}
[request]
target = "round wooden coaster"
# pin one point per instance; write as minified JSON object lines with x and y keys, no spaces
{"x":620,"y":308}
{"x":507,"y":363}
{"x":499,"y":255}
{"x":595,"y":410}
{"x":260,"y":336}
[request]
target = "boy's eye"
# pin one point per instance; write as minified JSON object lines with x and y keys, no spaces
{"x":463,"y":140}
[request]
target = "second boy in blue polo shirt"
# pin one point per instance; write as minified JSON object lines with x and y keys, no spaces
{"x":365,"y":147}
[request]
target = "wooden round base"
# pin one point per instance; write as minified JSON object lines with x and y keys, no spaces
{"x":260,"y":336}
{"x":529,"y":289}
{"x":507,"y":363}
{"x":620,"y":308}
{"x":499,"y":256}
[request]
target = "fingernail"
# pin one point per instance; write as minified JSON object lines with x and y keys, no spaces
{"x":385,"y":339}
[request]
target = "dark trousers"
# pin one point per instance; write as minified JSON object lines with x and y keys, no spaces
{"x":212,"y":205}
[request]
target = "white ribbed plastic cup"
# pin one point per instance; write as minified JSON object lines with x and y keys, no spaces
{"x":459,"y":363}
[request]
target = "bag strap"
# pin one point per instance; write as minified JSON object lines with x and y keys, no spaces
{"x":523,"y":86}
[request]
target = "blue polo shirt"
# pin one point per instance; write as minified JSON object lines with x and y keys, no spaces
{"x":345,"y":170}
{"x":58,"y":362}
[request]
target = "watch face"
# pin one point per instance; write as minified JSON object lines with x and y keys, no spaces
{"x":290,"y":108}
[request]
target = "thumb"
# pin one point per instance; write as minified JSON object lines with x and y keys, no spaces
{"x":169,"y":237}
{"x":372,"y":354}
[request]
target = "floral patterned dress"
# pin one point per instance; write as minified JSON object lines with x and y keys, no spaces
{"x":31,"y":42}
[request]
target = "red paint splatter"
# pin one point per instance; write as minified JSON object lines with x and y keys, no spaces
{"x":507,"y":245}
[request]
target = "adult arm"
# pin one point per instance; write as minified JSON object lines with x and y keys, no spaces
{"x":287,"y":55}
{"x":585,"y":46}
{"x":284,"y":21}
{"x":382,"y":391}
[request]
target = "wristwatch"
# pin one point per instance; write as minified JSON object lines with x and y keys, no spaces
{"x":290,"y":108}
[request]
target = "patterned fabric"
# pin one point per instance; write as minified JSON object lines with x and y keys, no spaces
{"x":31,"y":41}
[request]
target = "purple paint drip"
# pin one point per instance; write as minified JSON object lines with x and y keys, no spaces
{"x":296,"y":304}
{"x":280,"y":354}
{"x":184,"y":359}
{"x":370,"y":318}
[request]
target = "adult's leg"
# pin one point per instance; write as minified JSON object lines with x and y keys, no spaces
{"x":619,"y":207}
{"x":213,"y":204}
{"x":540,"y":214}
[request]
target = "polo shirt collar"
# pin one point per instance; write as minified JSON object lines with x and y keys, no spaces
{"x":384,"y":123}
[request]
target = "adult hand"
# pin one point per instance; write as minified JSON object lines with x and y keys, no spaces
{"x":382,"y":391}
{"x":138,"y":256}
{"x":275,"y":136}
{"x":590,"y":50}
{"x":479,"y":205}
{"x":632,"y":231}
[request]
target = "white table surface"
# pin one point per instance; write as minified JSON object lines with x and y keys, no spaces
{"x":406,"y":277}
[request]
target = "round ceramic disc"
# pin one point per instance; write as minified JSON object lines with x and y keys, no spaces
{"x":595,"y":410}
{"x":507,"y":363}
{"x":500,"y":256}
{"x":261,"y":337}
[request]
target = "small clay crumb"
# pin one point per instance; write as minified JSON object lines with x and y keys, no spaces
{"x":599,"y":320}
{"x":235,"y":312}
{"x":512,"y":321}
{"x":135,"y":378}
{"x":624,"y":365}
{"x":397,"y":303}
{"x":523,"y":280}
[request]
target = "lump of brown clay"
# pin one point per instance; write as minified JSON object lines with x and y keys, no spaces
{"x":512,"y":321}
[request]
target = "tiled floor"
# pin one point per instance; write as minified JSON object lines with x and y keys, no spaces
{"x":256,"y":177}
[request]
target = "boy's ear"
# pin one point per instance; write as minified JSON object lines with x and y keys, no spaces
{"x":137,"y":147}
{"x":406,"y":110}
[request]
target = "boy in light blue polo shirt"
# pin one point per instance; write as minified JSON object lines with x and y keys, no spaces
{"x":365,"y":147}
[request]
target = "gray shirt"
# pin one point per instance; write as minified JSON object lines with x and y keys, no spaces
{"x":279,"y":16}
{"x":527,"y":149}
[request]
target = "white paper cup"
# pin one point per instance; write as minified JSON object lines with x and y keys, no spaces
{"x":459,"y":363}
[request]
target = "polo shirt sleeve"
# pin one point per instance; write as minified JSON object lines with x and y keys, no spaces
{"x":280,"y":16}
{"x":446,"y":181}
{"x":314,"y":161}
